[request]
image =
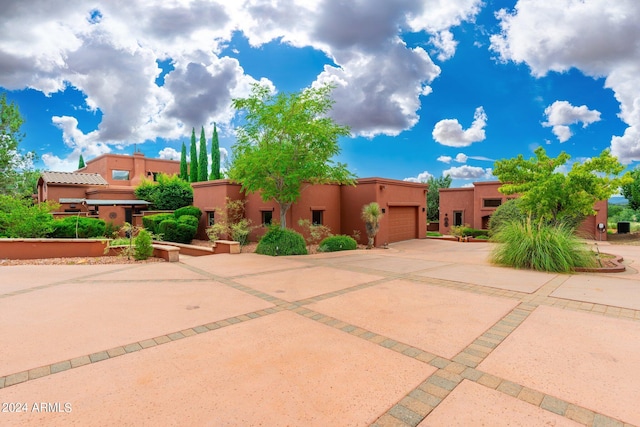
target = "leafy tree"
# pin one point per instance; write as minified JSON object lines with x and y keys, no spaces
{"x":81,"y":162}
{"x":168,"y":193}
{"x":215,"y":155}
{"x":20,"y":217}
{"x":552,"y":196}
{"x":202,"y":160}
{"x":433,"y":195}
{"x":631,"y":190}
{"x":287,"y":144}
{"x":193,"y":170}
{"x":12,"y":161}
{"x":184,"y":174}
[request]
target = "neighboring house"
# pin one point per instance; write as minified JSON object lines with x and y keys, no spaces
{"x":336,"y":206}
{"x":105,"y":187}
{"x":474,"y":205}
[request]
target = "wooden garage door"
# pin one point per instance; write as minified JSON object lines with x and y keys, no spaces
{"x":403,"y":223}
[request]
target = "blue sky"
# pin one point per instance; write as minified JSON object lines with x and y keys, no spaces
{"x":427,"y":87}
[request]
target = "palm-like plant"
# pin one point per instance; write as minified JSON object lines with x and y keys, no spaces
{"x":371,"y":215}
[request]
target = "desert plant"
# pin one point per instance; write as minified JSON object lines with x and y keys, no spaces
{"x":371,"y":215}
{"x":507,"y":212}
{"x":231,"y":223}
{"x":240,"y":231}
{"x":281,"y":241}
{"x":313,"y":233}
{"x":143,"y":245}
{"x":337,"y":243}
{"x":540,"y":246}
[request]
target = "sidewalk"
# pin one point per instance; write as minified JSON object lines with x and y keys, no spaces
{"x":425,"y":333}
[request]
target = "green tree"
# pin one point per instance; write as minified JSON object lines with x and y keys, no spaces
{"x":168,"y":193}
{"x":203,"y":173}
{"x":12,"y":161}
{"x":215,"y":155}
{"x":81,"y":162}
{"x":184,"y":174}
{"x":553,"y":196}
{"x":21,"y":218}
{"x":433,"y":195}
{"x":287,"y":144}
{"x":631,"y":190}
{"x":193,"y":170}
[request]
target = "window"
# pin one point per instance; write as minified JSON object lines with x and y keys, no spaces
{"x":457,"y":218}
{"x":491,"y":203}
{"x":120,"y":175}
{"x":267,"y":217}
{"x":211,"y":218}
{"x":316,"y":217}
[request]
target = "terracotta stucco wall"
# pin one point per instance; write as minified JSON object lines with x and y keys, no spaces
{"x":210,"y":196}
{"x":455,"y":199}
{"x":138,"y":166}
{"x":352,"y":199}
{"x":484,"y":191}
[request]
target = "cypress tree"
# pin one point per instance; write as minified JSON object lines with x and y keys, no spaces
{"x":193,"y":170}
{"x":184,"y":174}
{"x":215,"y":155}
{"x":202,"y":159}
{"x":81,"y":162}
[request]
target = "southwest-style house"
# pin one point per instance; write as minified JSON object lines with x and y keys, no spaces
{"x":104,"y":189}
{"x":474,"y":205}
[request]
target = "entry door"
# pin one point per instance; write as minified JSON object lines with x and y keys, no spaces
{"x":458,"y":218}
{"x":128,"y":215}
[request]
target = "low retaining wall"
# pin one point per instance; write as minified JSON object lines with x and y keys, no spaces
{"x":51,"y":248}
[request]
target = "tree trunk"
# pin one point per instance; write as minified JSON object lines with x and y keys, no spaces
{"x":284,"y":207}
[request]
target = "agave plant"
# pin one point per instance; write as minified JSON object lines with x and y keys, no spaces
{"x":371,"y":215}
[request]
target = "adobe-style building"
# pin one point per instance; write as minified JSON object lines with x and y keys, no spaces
{"x":336,"y":206}
{"x":104,"y":188}
{"x":474,"y":205}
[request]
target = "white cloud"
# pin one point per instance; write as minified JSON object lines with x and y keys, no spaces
{"x":603,"y":38}
{"x":461,"y":158}
{"x":449,"y":132}
{"x":109,"y":51}
{"x":561,"y":114}
{"x":445,"y":159}
{"x":422,"y":177}
{"x":468,"y":172}
{"x":169,"y":153}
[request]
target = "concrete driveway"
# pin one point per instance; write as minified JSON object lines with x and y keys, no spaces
{"x":425,"y":333}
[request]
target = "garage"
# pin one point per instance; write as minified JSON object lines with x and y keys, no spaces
{"x":403,"y":223}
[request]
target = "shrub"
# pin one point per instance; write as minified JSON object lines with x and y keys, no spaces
{"x":169,"y":230}
{"x":78,"y":226}
{"x":189,"y":220}
{"x":144,"y":248}
{"x":152,"y":222}
{"x":544,"y":247}
{"x":186,"y":233}
{"x":279,"y":241}
{"x":313,"y":233}
{"x":231,"y":223}
{"x":507,"y":212}
{"x":22,"y":218}
{"x":188,"y":210}
{"x":240,"y":231}
{"x":337,"y":243}
{"x":169,"y":193}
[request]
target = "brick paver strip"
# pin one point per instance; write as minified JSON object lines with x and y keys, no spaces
{"x":60,"y":366}
{"x":80,"y":361}
{"x":162,"y":339}
{"x":96,"y":357}
{"x":18,"y":378}
{"x":388,"y":421}
{"x":39,"y":372}
{"x":2,"y":380}
{"x":419,"y":407}
{"x":510,"y":388}
{"x":471,"y":374}
{"x":176,"y":336}
{"x":530,"y":396}
{"x":405,"y":415}
{"x":604,"y":421}
{"x":130,"y":348}
{"x":201,"y":329}
{"x":118,"y":351}
{"x":580,"y":415}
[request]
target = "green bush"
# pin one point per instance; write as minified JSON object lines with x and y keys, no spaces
{"x":189,"y":220}
{"x":186,"y":232}
{"x":240,"y":231}
{"x":143,"y":245}
{"x":169,"y":230}
{"x":278,"y":241}
{"x":543,"y":247}
{"x":507,"y":212}
{"x":22,"y":218}
{"x":188,"y":210}
{"x":152,"y":222}
{"x":86,"y":227}
{"x":169,"y":193}
{"x":473,"y":232}
{"x":337,"y":243}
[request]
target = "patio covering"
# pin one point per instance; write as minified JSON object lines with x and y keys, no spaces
{"x":96,"y":202}
{"x":73,"y":178}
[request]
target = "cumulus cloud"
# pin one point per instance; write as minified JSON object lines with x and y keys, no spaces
{"x":445,"y":159}
{"x":422,"y":177}
{"x":468,"y":172}
{"x":169,"y":153}
{"x":603,"y":38}
{"x":449,"y":132}
{"x":561,"y":114}
{"x":110,"y":52}
{"x":461,"y":158}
